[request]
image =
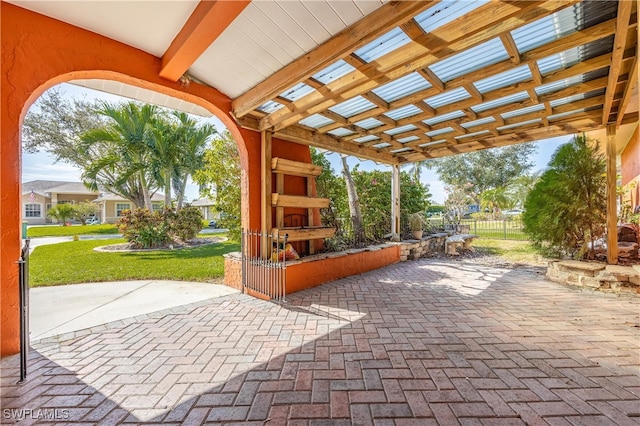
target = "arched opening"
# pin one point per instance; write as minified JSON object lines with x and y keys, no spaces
{"x":55,"y":52}
{"x":112,"y":279}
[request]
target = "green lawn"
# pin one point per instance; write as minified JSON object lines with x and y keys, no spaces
{"x":67,"y":231}
{"x":510,"y":251}
{"x":76,"y":262}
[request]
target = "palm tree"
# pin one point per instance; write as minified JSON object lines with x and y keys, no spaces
{"x":117,"y":155}
{"x":192,"y":139}
{"x":494,"y":199}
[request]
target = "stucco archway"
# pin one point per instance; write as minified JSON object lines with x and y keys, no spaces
{"x":40,"y":52}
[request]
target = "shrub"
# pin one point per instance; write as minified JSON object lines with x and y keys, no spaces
{"x":145,"y":229}
{"x":186,"y":224}
{"x":566,"y":210}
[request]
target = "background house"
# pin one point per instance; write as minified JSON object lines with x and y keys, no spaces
{"x":112,"y":206}
{"x":39,"y":196}
{"x":205,"y":206}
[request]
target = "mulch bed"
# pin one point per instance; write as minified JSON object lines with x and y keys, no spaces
{"x":128,"y":247}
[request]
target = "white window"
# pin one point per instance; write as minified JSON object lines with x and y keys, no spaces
{"x":156,"y":207}
{"x":65,"y":202}
{"x":32,"y":210}
{"x":120,"y":207}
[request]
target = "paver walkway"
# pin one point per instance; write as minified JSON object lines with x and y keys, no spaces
{"x":426,"y":342}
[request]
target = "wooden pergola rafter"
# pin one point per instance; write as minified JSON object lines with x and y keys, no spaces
{"x":601,"y":82}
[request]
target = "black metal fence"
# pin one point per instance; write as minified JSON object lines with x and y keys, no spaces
{"x":504,"y":229}
{"x":23,"y":272}
{"x":345,"y":238}
{"x":264,"y":263}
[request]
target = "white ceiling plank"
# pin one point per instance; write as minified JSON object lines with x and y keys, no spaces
{"x":326,"y":15}
{"x":260,"y":56}
{"x":347,"y":10}
{"x":147,"y":25}
{"x":368,"y":6}
{"x":226,"y":70}
{"x":312,"y":26}
{"x":271,"y":36}
{"x":294,"y":30}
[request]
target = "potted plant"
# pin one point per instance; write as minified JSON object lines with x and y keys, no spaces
{"x":416,"y":222}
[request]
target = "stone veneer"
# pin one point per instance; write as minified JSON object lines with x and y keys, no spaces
{"x":415,"y":249}
{"x":596,"y":276}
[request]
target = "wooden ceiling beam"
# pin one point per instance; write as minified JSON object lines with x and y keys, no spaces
{"x":377,"y":23}
{"x":628,"y":90}
{"x":557,"y":129}
{"x":485,"y":23}
{"x":207,"y":21}
{"x":511,"y":48}
{"x":619,"y":43}
{"x":432,"y":78}
{"x":576,"y":69}
{"x":494,"y":128}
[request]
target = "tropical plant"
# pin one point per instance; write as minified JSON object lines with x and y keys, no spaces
{"x":495,"y":199}
{"x":83,"y":211}
{"x":120,"y":154}
{"x":416,"y":221}
{"x":61,"y":213}
{"x":220,"y":180}
{"x":146,"y":229}
{"x":566,"y":210}
{"x":456,"y":205}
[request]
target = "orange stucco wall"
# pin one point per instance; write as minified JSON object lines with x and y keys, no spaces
{"x":630,"y":159}
{"x":38,"y":53}
{"x":630,"y":164}
{"x":310,"y":274}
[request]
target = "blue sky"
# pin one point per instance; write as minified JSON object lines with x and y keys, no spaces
{"x":42,"y":166}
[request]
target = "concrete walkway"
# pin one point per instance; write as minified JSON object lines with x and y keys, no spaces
{"x":428,"y":342}
{"x":63,"y":309}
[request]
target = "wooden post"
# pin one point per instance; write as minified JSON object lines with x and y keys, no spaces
{"x":612,"y":215}
{"x":265,"y":196}
{"x":395,"y":200}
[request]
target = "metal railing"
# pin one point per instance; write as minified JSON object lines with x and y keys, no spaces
{"x":23,"y":281}
{"x":264,"y":266}
{"x":503,"y":229}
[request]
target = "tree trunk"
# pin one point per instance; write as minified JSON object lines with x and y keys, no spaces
{"x":167,"y":188}
{"x":354,"y":202}
{"x":145,"y":192}
{"x":180,"y":194}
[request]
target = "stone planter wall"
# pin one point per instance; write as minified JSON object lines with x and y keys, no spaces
{"x":596,"y":276}
{"x":415,"y":249}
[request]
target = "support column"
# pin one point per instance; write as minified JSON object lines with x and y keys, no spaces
{"x":612,"y":214}
{"x":395,"y":201}
{"x":265,"y":196}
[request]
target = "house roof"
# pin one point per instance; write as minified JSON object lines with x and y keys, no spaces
{"x":71,"y":188}
{"x":394,"y":82}
{"x":107,"y":196}
{"x":42,"y":186}
{"x":202,"y":202}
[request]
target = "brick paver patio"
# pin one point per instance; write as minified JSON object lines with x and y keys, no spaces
{"x":425,"y":343}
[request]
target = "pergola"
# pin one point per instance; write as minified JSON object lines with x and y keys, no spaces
{"x":395,"y":82}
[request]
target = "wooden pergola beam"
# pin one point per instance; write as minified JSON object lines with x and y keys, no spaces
{"x":208,"y":20}
{"x":356,"y":85}
{"x":628,"y":90}
{"x":442,"y":43}
{"x":619,"y":43}
{"x":612,"y":214}
{"x":382,"y":20}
